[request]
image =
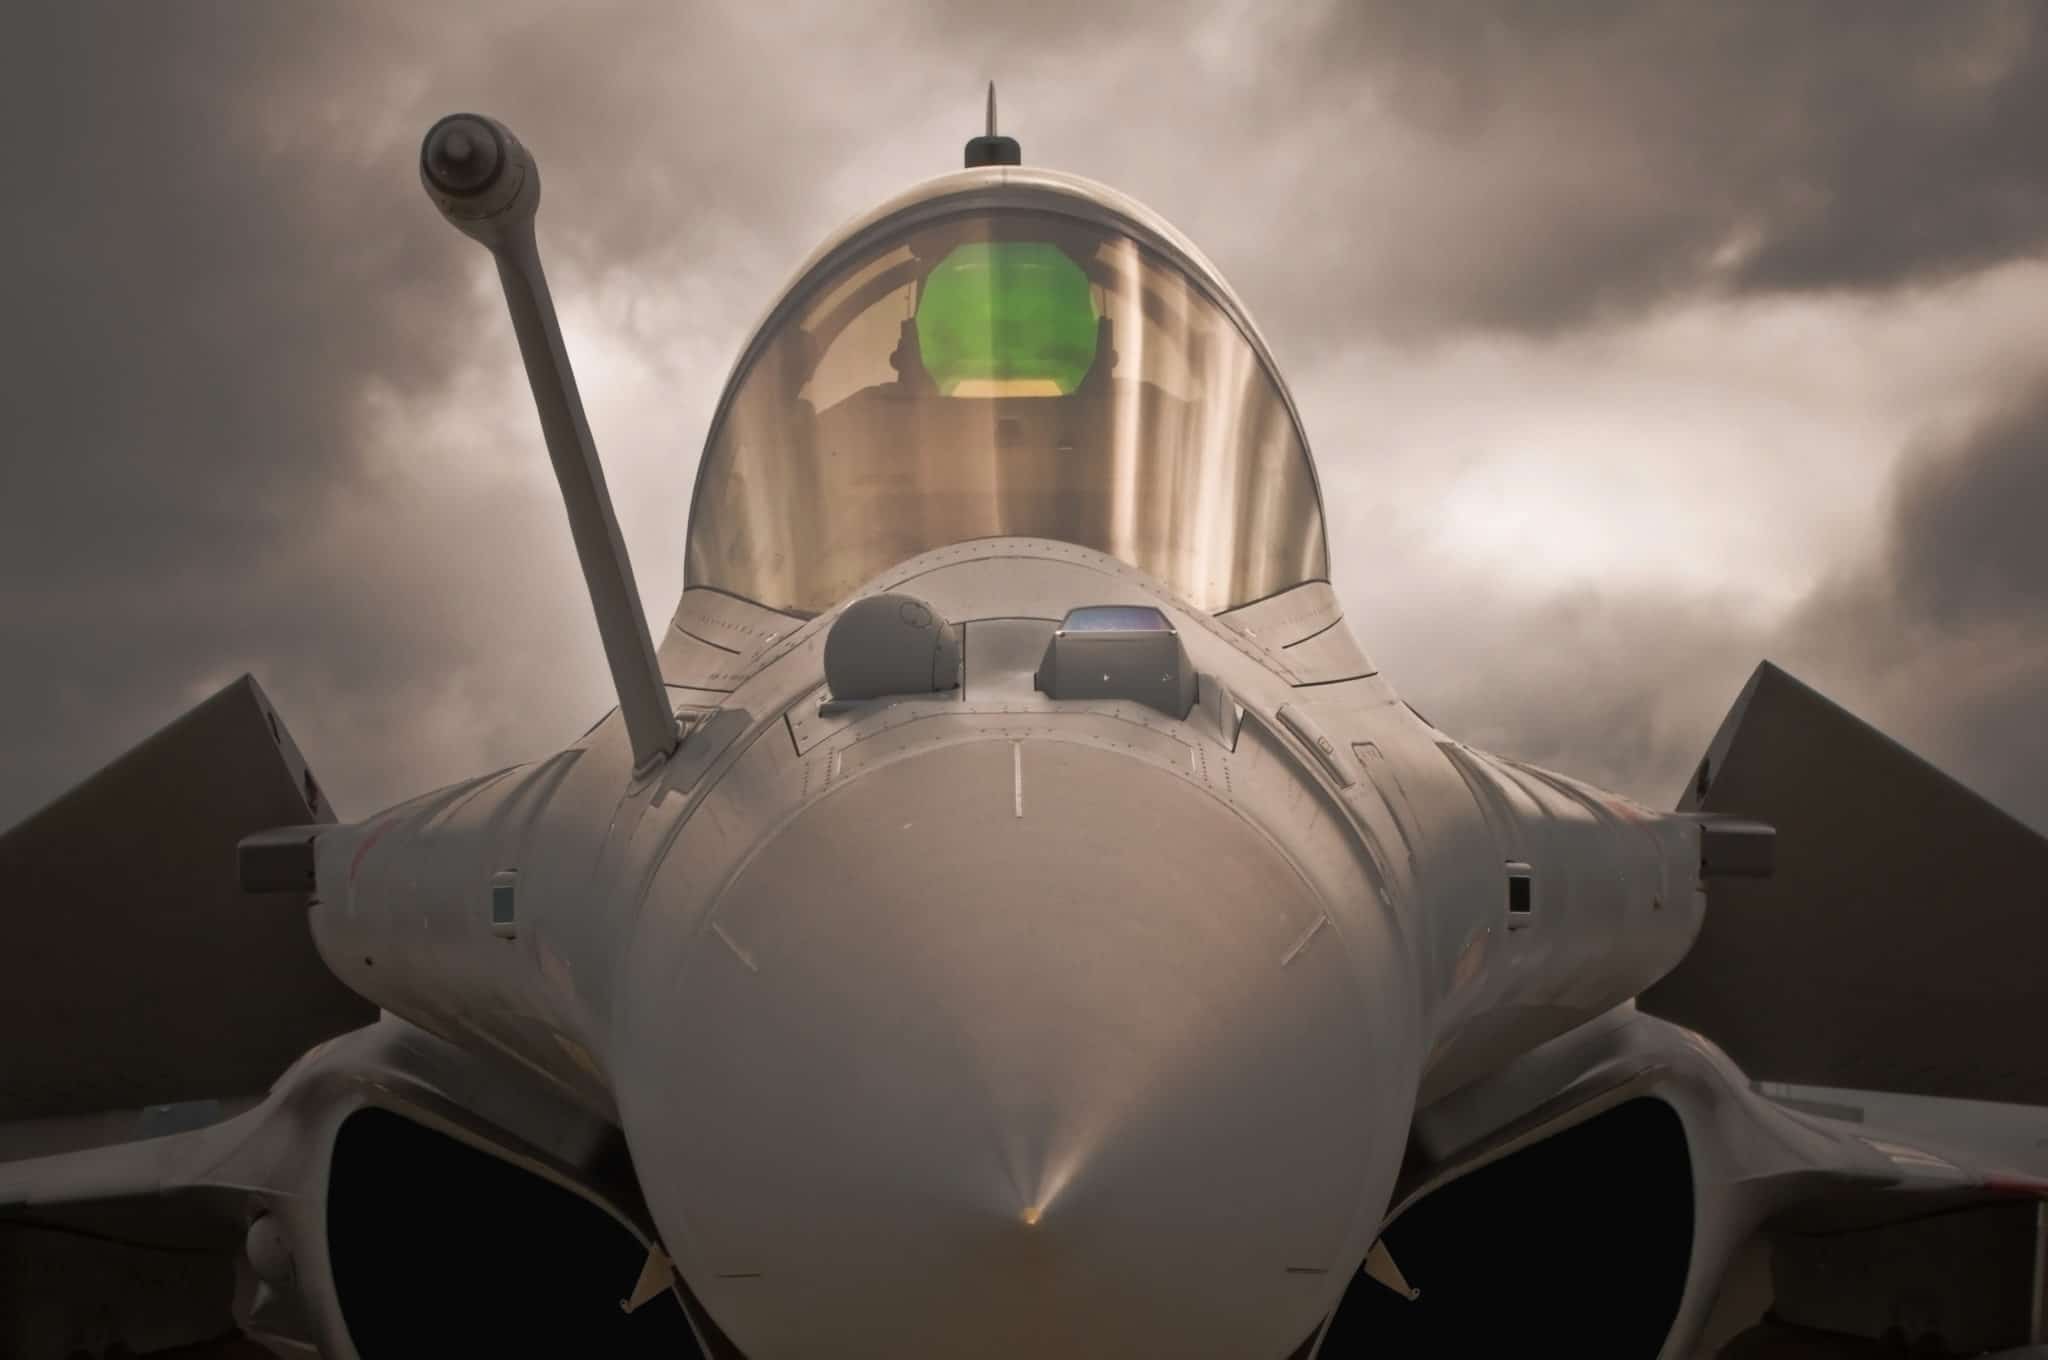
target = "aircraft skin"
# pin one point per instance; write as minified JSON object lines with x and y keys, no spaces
{"x":953,"y":1001}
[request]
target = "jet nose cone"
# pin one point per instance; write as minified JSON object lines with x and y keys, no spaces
{"x":1019,"y":1049}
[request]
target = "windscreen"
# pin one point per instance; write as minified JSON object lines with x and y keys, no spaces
{"x":1004,"y":374}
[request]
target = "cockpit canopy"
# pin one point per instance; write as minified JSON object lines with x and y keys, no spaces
{"x":1005,"y":353}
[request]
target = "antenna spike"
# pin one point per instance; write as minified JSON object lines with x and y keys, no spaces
{"x":990,"y":148}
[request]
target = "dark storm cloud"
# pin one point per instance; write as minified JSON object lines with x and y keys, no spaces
{"x":1530,"y":166}
{"x":1970,"y":525}
{"x":183,"y":243}
{"x":165,"y":320}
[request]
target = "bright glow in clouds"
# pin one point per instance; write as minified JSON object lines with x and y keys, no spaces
{"x":1737,"y":448}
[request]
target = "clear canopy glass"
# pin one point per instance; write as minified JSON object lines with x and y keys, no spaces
{"x":1004,"y":373}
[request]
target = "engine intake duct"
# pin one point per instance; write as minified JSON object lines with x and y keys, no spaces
{"x":1576,"y":1245}
{"x":441,"y":1248}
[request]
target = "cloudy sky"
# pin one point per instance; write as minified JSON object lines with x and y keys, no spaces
{"x":1636,"y":343}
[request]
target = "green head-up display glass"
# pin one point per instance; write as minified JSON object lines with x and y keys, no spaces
{"x":1007,"y":318}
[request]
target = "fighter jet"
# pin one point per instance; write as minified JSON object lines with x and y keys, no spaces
{"x":1009,"y":915}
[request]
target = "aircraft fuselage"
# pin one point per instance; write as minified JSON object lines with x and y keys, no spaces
{"x":983,"y":1012}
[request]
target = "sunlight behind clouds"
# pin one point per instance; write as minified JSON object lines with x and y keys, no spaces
{"x":1741,"y":447}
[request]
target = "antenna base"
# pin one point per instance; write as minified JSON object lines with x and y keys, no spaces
{"x":993,"y":151}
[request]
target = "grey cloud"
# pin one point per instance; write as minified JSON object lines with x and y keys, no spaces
{"x":186,"y":335}
{"x":1968,"y":536}
{"x":1564,"y":162}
